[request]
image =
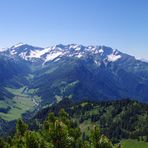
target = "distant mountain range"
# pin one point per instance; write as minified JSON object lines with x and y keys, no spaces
{"x":75,"y":71}
{"x":30,"y":53}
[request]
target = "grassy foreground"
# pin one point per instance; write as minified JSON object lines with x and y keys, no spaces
{"x":133,"y":144}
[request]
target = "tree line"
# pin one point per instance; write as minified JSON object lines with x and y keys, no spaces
{"x":57,"y":131}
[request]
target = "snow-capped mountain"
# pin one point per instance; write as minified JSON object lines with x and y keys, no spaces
{"x":21,"y":50}
{"x":54,"y":53}
{"x":142,"y":59}
{"x":82,"y":72}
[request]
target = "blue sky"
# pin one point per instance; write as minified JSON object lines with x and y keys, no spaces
{"x":121,"y":24}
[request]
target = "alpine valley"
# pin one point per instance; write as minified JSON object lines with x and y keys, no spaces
{"x":79,"y":72}
{"x":32,"y":78}
{"x":75,"y":71}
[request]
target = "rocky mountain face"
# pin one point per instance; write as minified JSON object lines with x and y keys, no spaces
{"x":30,"y":53}
{"x":75,"y":71}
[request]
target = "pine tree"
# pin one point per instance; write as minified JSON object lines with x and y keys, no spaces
{"x":21,"y":127}
{"x":95,"y":135}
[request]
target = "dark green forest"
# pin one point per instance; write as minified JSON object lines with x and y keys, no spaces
{"x":59,"y":131}
{"x":120,"y":119}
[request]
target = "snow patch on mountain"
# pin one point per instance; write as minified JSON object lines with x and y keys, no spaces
{"x":3,"y":49}
{"x":23,"y":55}
{"x":101,"y":51}
{"x":141,"y":59}
{"x":52,"y":56}
{"x":75,"y":47}
{"x":79,"y":55}
{"x":113,"y":58}
{"x":17,"y":45}
{"x":13,"y":52}
{"x":38,"y":53}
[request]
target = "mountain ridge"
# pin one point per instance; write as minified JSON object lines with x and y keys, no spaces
{"x":28,"y":52}
{"x":75,"y":71}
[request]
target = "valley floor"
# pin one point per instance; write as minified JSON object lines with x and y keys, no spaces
{"x":23,"y":101}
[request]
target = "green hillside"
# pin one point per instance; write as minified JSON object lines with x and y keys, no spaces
{"x":59,"y":130}
{"x":118,"y":120}
{"x":133,"y":144}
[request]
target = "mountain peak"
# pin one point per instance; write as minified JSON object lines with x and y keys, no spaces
{"x":54,"y":53}
{"x":18,"y":45}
